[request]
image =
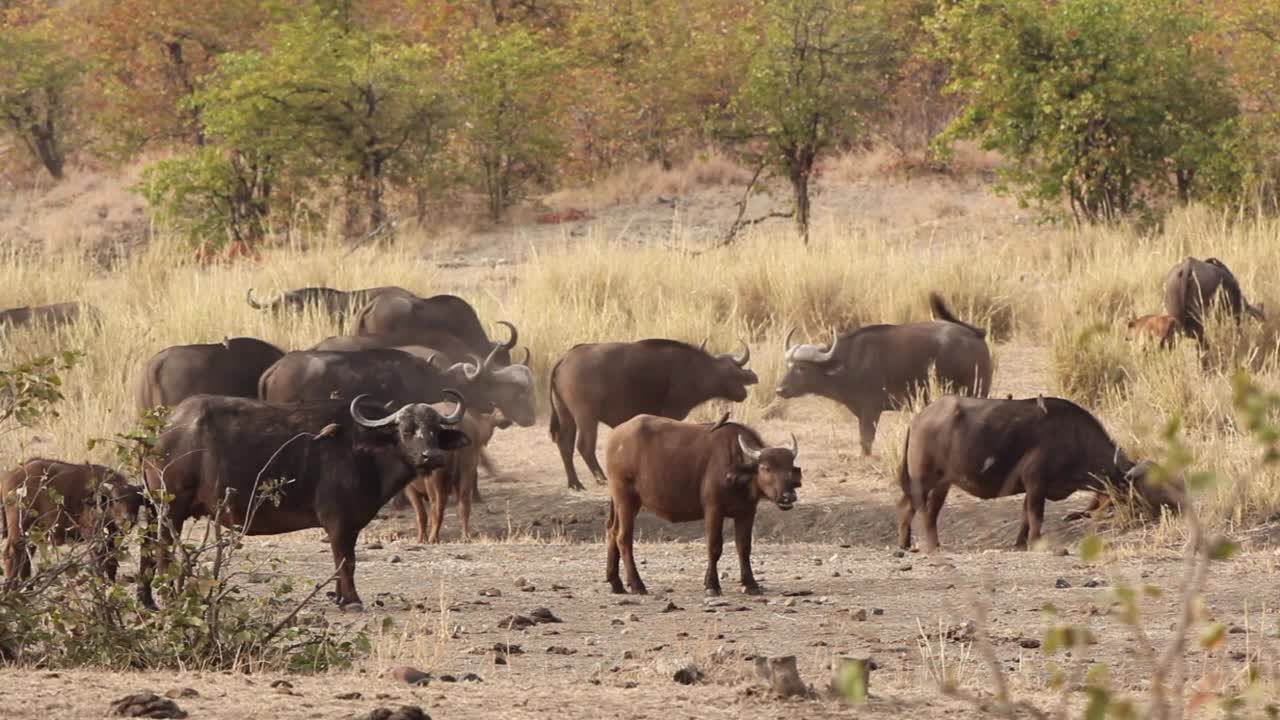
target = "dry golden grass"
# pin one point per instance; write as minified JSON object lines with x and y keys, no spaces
{"x":1044,"y":288}
{"x":645,"y":182}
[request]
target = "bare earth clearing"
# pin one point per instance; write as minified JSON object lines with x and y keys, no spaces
{"x":820,"y":563}
{"x":824,"y":565}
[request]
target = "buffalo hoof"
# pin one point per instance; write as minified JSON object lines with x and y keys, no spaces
{"x":752,"y":590}
{"x":615,"y":586}
{"x":1074,"y":516}
{"x":713,"y":592}
{"x":639,"y":590}
{"x":352,"y":607}
{"x":575,"y":485}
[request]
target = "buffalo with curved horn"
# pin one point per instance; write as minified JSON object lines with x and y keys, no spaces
{"x":336,"y":466}
{"x":611,"y":383}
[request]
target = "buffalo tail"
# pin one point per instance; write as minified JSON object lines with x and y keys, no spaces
{"x":555,"y":417}
{"x":940,"y":310}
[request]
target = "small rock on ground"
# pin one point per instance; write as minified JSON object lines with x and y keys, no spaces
{"x":146,"y":705}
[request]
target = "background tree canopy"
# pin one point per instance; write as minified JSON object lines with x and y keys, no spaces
{"x":258,"y":114}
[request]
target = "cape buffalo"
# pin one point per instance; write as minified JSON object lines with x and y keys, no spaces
{"x":271,"y":469}
{"x":458,"y":477}
{"x":231,"y":367}
{"x":335,"y":303}
{"x":611,"y":383}
{"x":445,"y":346}
{"x":1045,"y":447}
{"x":47,"y":316}
{"x":1194,"y":287}
{"x":883,"y":367}
{"x":394,"y":375}
{"x":1153,"y":328}
{"x":86,"y":502}
{"x":421,"y":321}
{"x":684,"y":472}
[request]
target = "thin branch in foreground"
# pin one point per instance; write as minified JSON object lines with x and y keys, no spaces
{"x":298,"y":608}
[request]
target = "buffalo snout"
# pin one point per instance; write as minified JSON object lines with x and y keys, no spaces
{"x":787,"y":500}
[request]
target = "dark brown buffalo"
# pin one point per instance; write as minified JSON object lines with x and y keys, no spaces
{"x":459,"y":477}
{"x":335,"y":303}
{"x":231,"y":367}
{"x":1047,"y":448}
{"x":421,"y":321}
{"x":1195,"y":287}
{"x":47,"y":316}
{"x":445,"y":346}
{"x":884,"y":367}
{"x":684,"y":472}
{"x":401,"y":377}
{"x":1153,"y":328}
{"x":611,"y":383}
{"x":90,"y":503}
{"x":338,"y":469}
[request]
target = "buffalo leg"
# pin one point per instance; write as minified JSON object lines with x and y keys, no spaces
{"x":565,"y":441}
{"x":419,"y":510}
{"x":933,"y":506}
{"x":715,"y":546}
{"x":439,"y":496}
{"x":867,"y":422}
{"x":611,"y":548}
{"x":343,"y":543}
{"x":1035,"y":515}
{"x":1099,"y":502}
{"x":906,"y":511}
{"x":17,"y":562}
{"x":742,"y":528}
{"x":625,"y":537}
{"x":587,"y":448}
{"x":465,"y":495}
{"x":155,"y":555}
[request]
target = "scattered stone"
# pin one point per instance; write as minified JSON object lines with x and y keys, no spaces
{"x":409,"y":675}
{"x":373,"y":546}
{"x":859,"y":615}
{"x":516,"y":622}
{"x":1235,"y":630}
{"x":904,"y":567}
{"x":185,"y":692}
{"x":353,"y":695}
{"x":404,"y":712}
{"x":284,"y":687}
{"x":395,"y":559}
{"x":899,"y":553}
{"x":521,"y":582}
{"x":555,"y":586}
{"x":671,"y":607}
{"x":543,"y":615}
{"x":835,"y":573}
{"x":146,"y":705}
{"x":962,"y":632}
{"x":491,"y":592}
{"x":1095,"y":582}
{"x":1062,"y":552}
{"x":628,"y":654}
{"x":797,"y":593}
{"x":877,"y":611}
{"x":630,"y":685}
{"x":632,"y":617}
{"x":561,"y":650}
{"x":789,"y":602}
{"x":1062,"y":583}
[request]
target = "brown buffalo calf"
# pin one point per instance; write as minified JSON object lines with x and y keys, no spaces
{"x":684,"y":472}
{"x":1153,"y":328}
{"x":457,"y":477}
{"x":64,"y":501}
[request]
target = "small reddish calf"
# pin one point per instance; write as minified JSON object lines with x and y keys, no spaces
{"x":458,"y":476}
{"x":684,"y":472}
{"x":1157,"y":328}
{"x":90,"y":502}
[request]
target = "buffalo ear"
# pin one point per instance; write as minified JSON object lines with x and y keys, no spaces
{"x":453,"y":440}
{"x":741,"y":476}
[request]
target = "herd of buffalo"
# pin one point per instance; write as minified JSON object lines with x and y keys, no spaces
{"x":273,"y":441}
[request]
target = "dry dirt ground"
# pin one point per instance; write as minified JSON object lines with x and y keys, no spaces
{"x":825,"y":565}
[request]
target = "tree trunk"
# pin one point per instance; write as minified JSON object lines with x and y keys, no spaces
{"x":799,"y":177}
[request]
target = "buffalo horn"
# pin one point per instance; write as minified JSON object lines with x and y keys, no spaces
{"x":830,"y":352}
{"x":745,"y":357}
{"x":360,"y":418}
{"x":795,"y":447}
{"x":786,"y":343}
{"x":752,"y":454}
{"x":455,"y":417}
{"x":511,"y":341}
{"x":469,"y":370}
{"x":703,"y":345}
{"x":1138,"y":470}
{"x":248,"y":296}
{"x":527,"y":356}
{"x":488,"y":361}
